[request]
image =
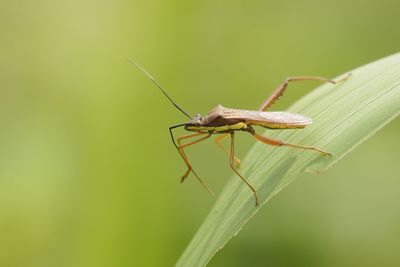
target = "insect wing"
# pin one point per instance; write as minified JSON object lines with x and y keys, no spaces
{"x":277,"y":117}
{"x":282,"y":117}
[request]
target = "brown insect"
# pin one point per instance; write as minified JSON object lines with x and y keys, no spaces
{"x":227,"y":121}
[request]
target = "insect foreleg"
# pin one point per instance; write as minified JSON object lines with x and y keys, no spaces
{"x":183,"y":155}
{"x":219,"y":144}
{"x":186,"y":160}
{"x":281,"y":88}
{"x":189,"y":136}
{"x":232,"y":164}
{"x":276,"y":142}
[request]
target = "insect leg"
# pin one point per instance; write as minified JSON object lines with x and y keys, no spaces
{"x":189,"y":136}
{"x":218,"y":142}
{"x":281,"y":88}
{"x":232,"y":161}
{"x":276,"y":142}
{"x":186,"y":160}
{"x":183,"y":155}
{"x":180,"y":148}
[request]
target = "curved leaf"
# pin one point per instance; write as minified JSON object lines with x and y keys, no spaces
{"x":344,"y":116}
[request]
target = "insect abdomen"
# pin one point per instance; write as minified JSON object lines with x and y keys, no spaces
{"x":223,"y":128}
{"x":272,"y":125}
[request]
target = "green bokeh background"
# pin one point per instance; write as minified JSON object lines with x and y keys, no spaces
{"x":88,"y":175}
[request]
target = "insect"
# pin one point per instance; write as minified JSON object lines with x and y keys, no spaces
{"x":227,"y":121}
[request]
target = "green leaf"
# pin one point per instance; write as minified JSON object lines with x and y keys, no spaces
{"x":344,"y":116}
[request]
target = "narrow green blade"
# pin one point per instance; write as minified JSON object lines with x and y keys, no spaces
{"x":344,"y":116}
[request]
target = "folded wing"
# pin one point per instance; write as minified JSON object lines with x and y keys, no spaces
{"x":276,"y":119}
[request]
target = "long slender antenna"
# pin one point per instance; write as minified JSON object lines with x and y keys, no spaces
{"x":158,"y":85}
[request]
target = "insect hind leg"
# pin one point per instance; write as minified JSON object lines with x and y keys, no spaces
{"x":277,"y":142}
{"x":282,"y":87}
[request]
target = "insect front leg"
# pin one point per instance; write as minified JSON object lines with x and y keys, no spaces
{"x":218,"y":142}
{"x":180,"y":138}
{"x":186,"y":160}
{"x":232,"y":164}
{"x":281,"y":88}
{"x":183,"y":155}
{"x":276,"y":142}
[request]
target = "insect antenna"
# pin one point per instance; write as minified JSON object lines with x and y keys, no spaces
{"x":158,"y":85}
{"x":172,"y":135}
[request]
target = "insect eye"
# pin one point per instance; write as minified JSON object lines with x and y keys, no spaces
{"x":197,"y":119}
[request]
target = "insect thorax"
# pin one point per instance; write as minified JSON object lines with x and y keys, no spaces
{"x":215,"y":121}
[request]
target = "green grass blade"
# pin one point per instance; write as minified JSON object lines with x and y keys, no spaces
{"x":344,"y":116}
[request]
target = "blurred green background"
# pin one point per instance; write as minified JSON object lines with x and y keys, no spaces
{"x":88,"y":174}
